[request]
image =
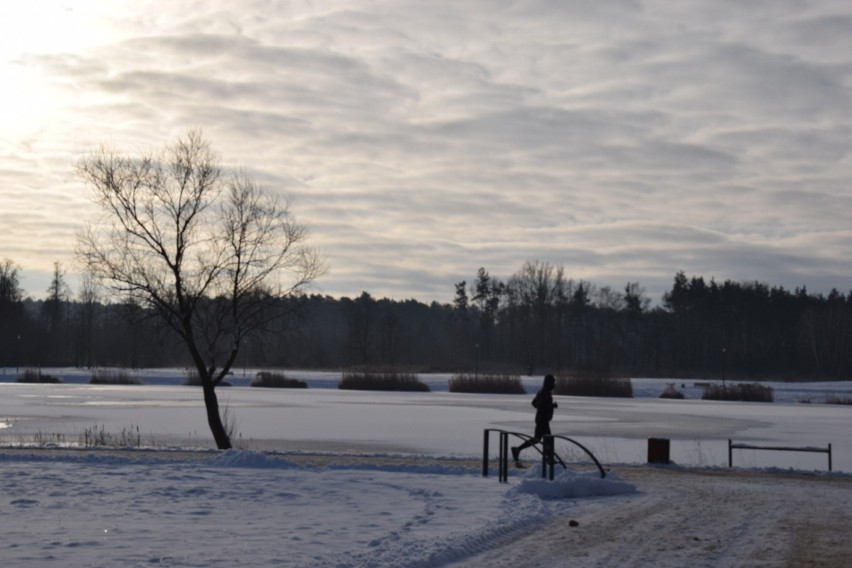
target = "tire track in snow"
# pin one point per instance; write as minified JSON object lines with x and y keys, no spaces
{"x":702,"y":518}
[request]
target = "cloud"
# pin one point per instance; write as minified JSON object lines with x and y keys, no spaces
{"x":625,"y":140}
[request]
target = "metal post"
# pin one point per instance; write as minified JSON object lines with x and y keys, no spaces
{"x":551,"y":461}
{"x":730,"y":454}
{"x":829,"y":457}
{"x":485,"y":456}
{"x":504,"y":457}
{"x":547,"y":459}
{"x":500,"y":457}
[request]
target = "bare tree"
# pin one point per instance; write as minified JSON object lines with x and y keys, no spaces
{"x":57,"y":295}
{"x":55,"y":317}
{"x":537,"y":288}
{"x":207,"y":252}
{"x":87,"y":312}
{"x":10,"y":286}
{"x":11,"y":313}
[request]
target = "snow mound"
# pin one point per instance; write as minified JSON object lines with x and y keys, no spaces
{"x":570,"y":484}
{"x":248,"y":459}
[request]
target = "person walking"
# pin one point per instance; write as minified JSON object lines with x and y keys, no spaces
{"x":544,"y":405}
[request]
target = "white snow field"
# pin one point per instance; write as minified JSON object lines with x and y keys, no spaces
{"x":243,"y":508}
{"x":324,"y":477}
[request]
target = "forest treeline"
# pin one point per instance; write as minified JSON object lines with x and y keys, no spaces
{"x":537,"y":321}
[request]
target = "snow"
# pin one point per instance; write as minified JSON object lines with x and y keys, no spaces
{"x":344,"y":478}
{"x":249,"y":508}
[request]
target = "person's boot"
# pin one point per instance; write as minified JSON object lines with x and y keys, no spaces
{"x":516,"y":453}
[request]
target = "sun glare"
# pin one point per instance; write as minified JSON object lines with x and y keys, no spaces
{"x":29,"y":29}
{"x":49,"y":26}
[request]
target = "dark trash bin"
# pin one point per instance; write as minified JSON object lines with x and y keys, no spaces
{"x":658,"y":450}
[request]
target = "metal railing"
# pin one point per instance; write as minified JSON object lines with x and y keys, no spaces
{"x":732,"y":446}
{"x":549,"y":457}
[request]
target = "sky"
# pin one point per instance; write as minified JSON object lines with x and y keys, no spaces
{"x":623,"y":140}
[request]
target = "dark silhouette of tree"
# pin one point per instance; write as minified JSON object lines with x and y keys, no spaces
{"x":534,"y":291}
{"x":205,"y":252}
{"x":460,"y":302}
{"x":11,"y":313}
{"x":10,"y":286}
{"x":361,"y":318}
{"x":702,"y":328}
{"x":55,"y":317}
{"x":391,"y":335}
{"x":636,"y":301}
{"x":579,"y":314}
{"x":487,"y":294}
{"x":86,"y":316}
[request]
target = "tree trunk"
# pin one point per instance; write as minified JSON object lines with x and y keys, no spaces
{"x":214,"y":418}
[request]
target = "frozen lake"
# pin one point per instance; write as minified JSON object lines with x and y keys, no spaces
{"x":324,"y":419}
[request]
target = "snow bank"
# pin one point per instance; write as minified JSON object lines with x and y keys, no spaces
{"x":250,"y":508}
{"x":570,"y":484}
{"x":248,"y":459}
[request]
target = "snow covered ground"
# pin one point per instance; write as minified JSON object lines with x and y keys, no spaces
{"x":340,"y":478}
{"x":246,"y":508}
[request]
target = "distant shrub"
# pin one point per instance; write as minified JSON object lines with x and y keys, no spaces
{"x":490,"y":384}
{"x":755,"y":392}
{"x":277,"y":380}
{"x":671,"y":392}
{"x":113,"y":377}
{"x":749,"y":392}
{"x":721,"y":392}
{"x":379,"y":381}
{"x":834,"y":399}
{"x":36,"y":376}
{"x":594,"y":386}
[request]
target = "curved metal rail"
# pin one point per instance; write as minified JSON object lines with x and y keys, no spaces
{"x":582,"y":447}
{"x":549,"y":457}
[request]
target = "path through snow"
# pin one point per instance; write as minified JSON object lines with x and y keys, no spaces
{"x":697,"y":518}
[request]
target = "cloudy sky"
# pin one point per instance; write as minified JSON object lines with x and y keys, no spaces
{"x":625,"y":140}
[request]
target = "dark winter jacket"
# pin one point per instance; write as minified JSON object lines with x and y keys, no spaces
{"x":544,"y":405}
